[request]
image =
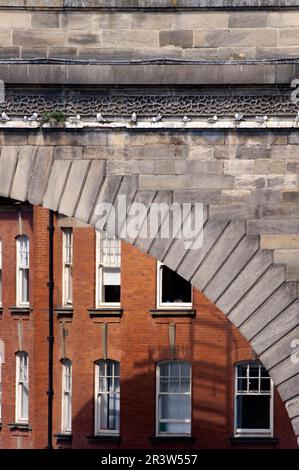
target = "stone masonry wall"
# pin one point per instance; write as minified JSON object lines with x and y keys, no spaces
{"x":129,"y":35}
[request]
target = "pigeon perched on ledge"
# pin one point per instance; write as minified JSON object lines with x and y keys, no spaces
{"x":134,"y":118}
{"x":157,"y":118}
{"x":34,"y":117}
{"x":239,"y":116}
{"x":212,"y":120}
{"x":4,"y":117}
{"x":261,"y":119}
{"x":186,"y":119}
{"x":100,"y":118}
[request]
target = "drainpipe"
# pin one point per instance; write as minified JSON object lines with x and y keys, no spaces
{"x":50,"y":338}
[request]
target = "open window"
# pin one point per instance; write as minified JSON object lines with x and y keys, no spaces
{"x":253,"y":400}
{"x":108,"y":256}
{"x":172,"y":290}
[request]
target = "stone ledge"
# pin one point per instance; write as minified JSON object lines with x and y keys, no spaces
{"x":105,"y":312}
{"x":171,"y":312}
{"x":254,"y":440}
{"x":104,"y":438}
{"x":180,"y":439}
{"x":148,"y":74}
{"x":20,"y":311}
{"x":64,"y":313}
{"x":20,"y":426}
{"x":63,"y":437}
{"x":146,"y":5}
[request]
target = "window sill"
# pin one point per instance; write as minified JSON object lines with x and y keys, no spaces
{"x":104,"y":438}
{"x":20,"y":311}
{"x":64,"y":313}
{"x":63,"y":437}
{"x":182,"y":439}
{"x":173,"y":312}
{"x":254,"y":440}
{"x":105,"y":312}
{"x":20,"y":426}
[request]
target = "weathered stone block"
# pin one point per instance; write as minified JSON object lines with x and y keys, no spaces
{"x":253,"y":152}
{"x":239,"y":167}
{"x":266,"y":196}
{"x":176,"y":38}
{"x":45,"y":20}
{"x":248,"y":19}
{"x":67,"y":152}
{"x":289,"y":152}
{"x":236,"y":37}
{"x":151,"y":20}
{"x":277,"y":211}
{"x":167,"y":152}
{"x":200,"y":20}
{"x":230,"y":196}
{"x":185,"y":181}
{"x":271,"y":226}
{"x":250,"y":182}
{"x":280,"y":241}
{"x":233,"y":211}
{"x":136,"y":39}
{"x":286,"y":256}
{"x":75,"y":20}
{"x":111,"y":20}
{"x":288,"y":37}
{"x":75,"y":38}
{"x":290,"y":196}
{"x":5,"y":38}
{"x":38,"y":38}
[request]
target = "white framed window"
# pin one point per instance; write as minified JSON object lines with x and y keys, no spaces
{"x":66,"y":411}
{"x":22,"y":287}
{"x":253,"y":400}
{"x":67,"y":273}
{"x":108,"y":259}
{"x":0,"y":272}
{"x":172,"y":290}
{"x":107,"y":397}
{"x":22,"y":387}
{"x":173,"y":400}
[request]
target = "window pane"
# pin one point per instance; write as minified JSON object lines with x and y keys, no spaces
{"x":254,"y":370}
{"x":175,"y":428}
{"x":266,"y":385}
{"x":242,"y":370}
{"x":164,"y":369}
{"x":254,"y":385}
{"x":175,"y":406}
{"x":253,"y":412}
{"x":174,"y":287}
{"x":242,"y":385}
{"x":186,"y":369}
{"x":175,"y":369}
{"x":25,"y":285}
{"x":111,"y":294}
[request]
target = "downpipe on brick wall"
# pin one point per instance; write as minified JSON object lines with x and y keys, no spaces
{"x":50,"y":338}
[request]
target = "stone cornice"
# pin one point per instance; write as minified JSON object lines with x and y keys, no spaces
{"x":149,"y":4}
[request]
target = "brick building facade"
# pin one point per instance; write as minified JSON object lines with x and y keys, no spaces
{"x":137,"y":333}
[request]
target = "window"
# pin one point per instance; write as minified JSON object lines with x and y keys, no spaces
{"x":172,"y":289}
{"x":0,"y":272}
{"x":253,"y":400}
{"x":108,"y":271}
{"x":67,"y":266}
{"x":22,"y":387}
{"x":22,"y":271}
{"x":66,"y":414}
{"x":107,"y":397}
{"x":173,"y":398}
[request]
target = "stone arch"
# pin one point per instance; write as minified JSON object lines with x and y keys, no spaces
{"x":230,"y":268}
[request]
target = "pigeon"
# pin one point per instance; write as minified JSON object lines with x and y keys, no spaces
{"x":186,"y":119}
{"x":134,"y":118}
{"x":297,"y":118}
{"x":212,"y":120}
{"x":239,"y":116}
{"x":33,"y":117}
{"x":261,"y":119}
{"x":25,"y":118}
{"x":157,"y":118}
{"x":100,"y":118}
{"x":4,"y":117}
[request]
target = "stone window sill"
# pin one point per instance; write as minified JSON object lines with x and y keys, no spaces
{"x":169,"y":312}
{"x":20,"y":311}
{"x":105,"y":312}
{"x":104,"y":438}
{"x":61,"y":437}
{"x":20,"y":426}
{"x":254,"y":440}
{"x":180,"y":439}
{"x":64,"y":312}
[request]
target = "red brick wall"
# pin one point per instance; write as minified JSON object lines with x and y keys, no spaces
{"x":137,"y":340}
